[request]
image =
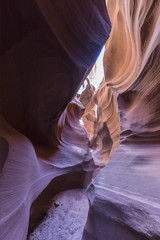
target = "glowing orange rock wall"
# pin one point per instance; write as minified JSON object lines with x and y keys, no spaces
{"x":130,"y":90}
{"x":132,"y":66}
{"x":49,"y":48}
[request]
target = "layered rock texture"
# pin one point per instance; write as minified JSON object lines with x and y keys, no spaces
{"x":134,"y":48}
{"x":126,"y":204}
{"x":47,"y":50}
{"x":131,"y":72}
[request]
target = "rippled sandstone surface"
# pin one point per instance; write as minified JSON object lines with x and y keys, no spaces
{"x":46,"y":53}
{"x":47,"y":49}
{"x":126,"y":204}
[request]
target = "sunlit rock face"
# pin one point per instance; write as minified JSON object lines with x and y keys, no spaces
{"x":130,"y":89}
{"x":47,"y":50}
{"x":132,"y":68}
{"x":126,"y":204}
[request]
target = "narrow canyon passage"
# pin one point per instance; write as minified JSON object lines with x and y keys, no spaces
{"x":56,"y":137}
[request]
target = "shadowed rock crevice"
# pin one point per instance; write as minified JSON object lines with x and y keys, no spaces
{"x":66,"y":217}
{"x":4,"y":148}
{"x":42,"y":204}
{"x":47,"y":49}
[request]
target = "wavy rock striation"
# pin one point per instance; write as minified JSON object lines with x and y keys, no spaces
{"x":48,"y":49}
{"x":126,"y":204}
{"x":46,"y":53}
{"x":131,"y":81}
{"x":131,"y":65}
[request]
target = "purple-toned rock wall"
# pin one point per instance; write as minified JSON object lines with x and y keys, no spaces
{"x":47,"y":49}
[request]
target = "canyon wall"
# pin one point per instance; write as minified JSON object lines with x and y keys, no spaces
{"x":131,"y":81}
{"x":132,"y":67}
{"x":126,"y":204}
{"x":47,"y":49}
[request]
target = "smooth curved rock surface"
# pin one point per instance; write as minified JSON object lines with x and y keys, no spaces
{"x":131,"y":65}
{"x":131,"y":81}
{"x":126,"y":203}
{"x":47,"y":49}
{"x":29,"y":169}
{"x":127,"y":198}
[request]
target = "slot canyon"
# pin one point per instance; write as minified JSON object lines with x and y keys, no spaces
{"x":79,"y":165}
